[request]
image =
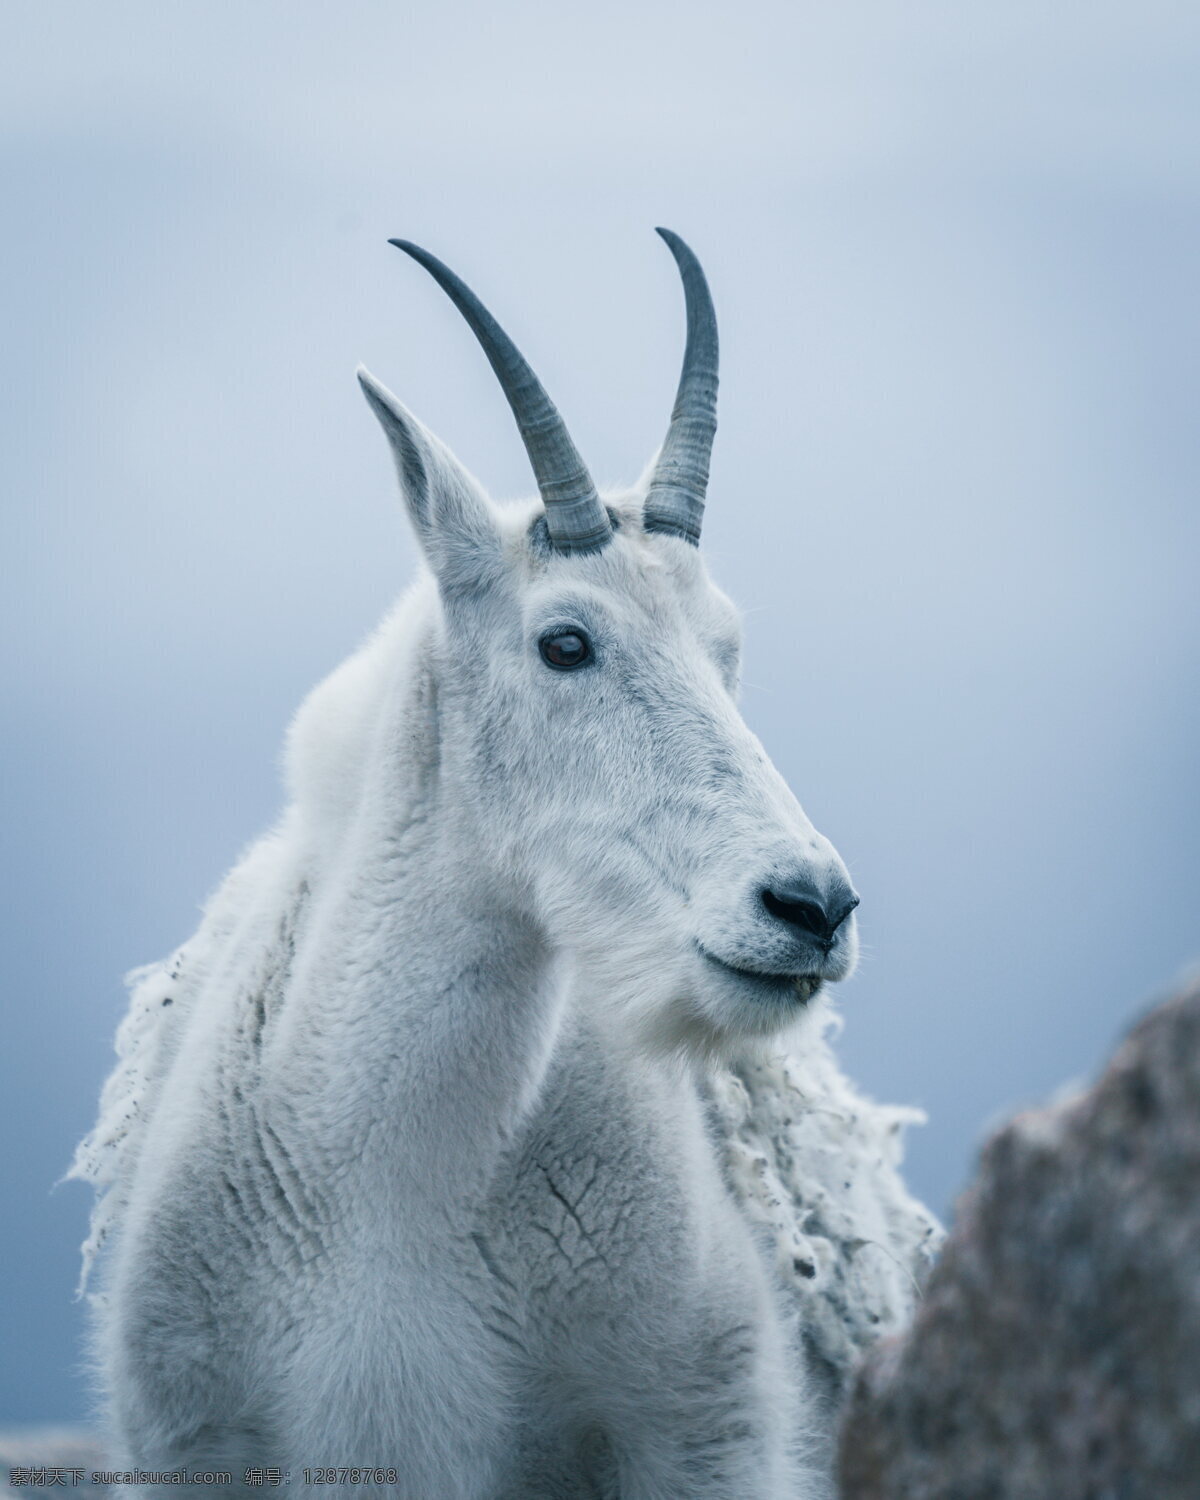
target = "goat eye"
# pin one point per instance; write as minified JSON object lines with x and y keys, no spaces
{"x":565,"y":649}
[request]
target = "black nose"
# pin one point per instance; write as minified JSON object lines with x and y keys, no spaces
{"x":802,"y":906}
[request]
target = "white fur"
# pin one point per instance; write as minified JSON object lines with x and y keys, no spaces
{"x":441,"y":1146}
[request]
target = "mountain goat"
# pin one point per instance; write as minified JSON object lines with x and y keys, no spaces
{"x":457,"y":1147}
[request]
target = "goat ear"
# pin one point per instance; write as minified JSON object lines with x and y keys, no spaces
{"x":450,"y":513}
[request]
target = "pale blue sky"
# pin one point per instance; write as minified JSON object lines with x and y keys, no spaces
{"x":954,"y":249}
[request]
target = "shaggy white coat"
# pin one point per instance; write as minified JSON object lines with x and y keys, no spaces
{"x":443,"y":1146}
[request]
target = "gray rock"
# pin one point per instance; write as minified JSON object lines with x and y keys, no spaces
{"x":1056,"y":1353}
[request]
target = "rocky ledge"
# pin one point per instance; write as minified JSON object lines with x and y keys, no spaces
{"x":1056,"y":1352}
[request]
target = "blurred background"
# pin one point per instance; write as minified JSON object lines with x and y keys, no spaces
{"x":955,"y":251}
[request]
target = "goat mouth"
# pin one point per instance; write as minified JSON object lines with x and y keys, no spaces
{"x":801,"y":987}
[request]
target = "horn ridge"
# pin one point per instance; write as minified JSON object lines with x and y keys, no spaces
{"x":575,"y":517}
{"x":675,"y":497}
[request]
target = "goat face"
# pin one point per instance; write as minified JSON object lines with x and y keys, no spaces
{"x":587,"y":672}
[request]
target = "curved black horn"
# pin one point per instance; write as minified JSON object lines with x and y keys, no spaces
{"x":575,"y":517}
{"x":675,"y":499}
